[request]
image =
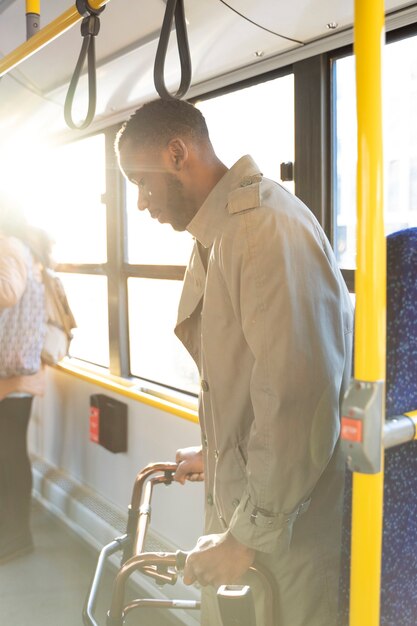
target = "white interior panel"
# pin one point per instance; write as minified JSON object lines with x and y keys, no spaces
{"x":59,"y":434}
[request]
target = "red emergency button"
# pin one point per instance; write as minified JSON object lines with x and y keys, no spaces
{"x":94,"y":424}
{"x":351,"y":429}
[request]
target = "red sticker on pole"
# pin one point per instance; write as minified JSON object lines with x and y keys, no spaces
{"x":351,"y":429}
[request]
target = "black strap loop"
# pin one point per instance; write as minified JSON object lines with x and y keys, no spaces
{"x":173,"y":8}
{"x":90,"y":27}
{"x":84,"y":8}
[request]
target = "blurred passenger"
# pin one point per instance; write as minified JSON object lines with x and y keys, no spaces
{"x":266,"y":315}
{"x":24,"y":250}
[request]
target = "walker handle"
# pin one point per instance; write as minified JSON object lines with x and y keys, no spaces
{"x":180,"y":557}
{"x":236,"y":605}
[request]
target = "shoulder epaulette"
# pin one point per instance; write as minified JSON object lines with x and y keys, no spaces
{"x":247,"y":195}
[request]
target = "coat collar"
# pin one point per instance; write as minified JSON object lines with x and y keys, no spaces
{"x":208,"y":221}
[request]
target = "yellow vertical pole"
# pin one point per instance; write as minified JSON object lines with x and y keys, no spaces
{"x":370,"y":324}
{"x":33,"y":6}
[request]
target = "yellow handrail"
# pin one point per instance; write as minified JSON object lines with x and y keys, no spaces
{"x":370,"y":324}
{"x":129,"y":390}
{"x":47,"y":34}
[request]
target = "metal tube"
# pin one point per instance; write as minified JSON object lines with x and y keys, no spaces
{"x":111,"y":548}
{"x":33,"y":22}
{"x":271,"y":593}
{"x":154,"y":603}
{"x":33,"y":15}
{"x":370,"y":324}
{"x":44,"y":36}
{"x":143,"y":475}
{"x":398,"y":430}
{"x":135,"y":563}
{"x":144,"y":520}
{"x":145,"y":514}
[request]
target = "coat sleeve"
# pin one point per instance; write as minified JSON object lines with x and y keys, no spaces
{"x":286,"y":293}
{"x":13,"y":272}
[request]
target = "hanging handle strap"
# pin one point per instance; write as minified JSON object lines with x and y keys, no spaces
{"x":90,"y":27}
{"x":174,"y":8}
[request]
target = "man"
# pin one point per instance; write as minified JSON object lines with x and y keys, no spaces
{"x":268,"y":320}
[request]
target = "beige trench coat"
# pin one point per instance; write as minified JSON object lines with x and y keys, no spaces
{"x":269,"y":325}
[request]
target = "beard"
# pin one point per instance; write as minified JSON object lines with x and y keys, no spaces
{"x":180,"y":212}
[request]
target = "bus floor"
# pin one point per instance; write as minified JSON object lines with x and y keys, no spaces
{"x":48,"y":586}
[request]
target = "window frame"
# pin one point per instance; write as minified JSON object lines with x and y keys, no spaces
{"x":391,"y":36}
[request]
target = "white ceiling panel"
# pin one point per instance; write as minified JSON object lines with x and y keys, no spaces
{"x":220,"y":39}
{"x":213,"y":28}
{"x":304,"y":20}
{"x":123,"y":23}
{"x":395,"y":5}
{"x":301,"y":19}
{"x":127,"y":80}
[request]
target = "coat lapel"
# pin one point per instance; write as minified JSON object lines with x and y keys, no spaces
{"x":190,"y":305}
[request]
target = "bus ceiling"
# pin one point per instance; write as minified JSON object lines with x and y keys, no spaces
{"x":227,"y":38}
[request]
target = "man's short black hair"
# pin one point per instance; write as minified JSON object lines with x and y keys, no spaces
{"x":159,"y":121}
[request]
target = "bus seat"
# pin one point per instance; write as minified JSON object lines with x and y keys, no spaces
{"x":399,"y":553}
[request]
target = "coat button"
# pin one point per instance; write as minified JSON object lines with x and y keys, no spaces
{"x":204,"y":385}
{"x":210,"y":499}
{"x":235,"y":503}
{"x":205,"y":442}
{"x":216,"y":454}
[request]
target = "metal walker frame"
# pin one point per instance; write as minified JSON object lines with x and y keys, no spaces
{"x":163,"y":567}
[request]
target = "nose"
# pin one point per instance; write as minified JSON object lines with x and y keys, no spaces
{"x":143,"y":200}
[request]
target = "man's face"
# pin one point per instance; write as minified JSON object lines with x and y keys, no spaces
{"x":160,"y":189}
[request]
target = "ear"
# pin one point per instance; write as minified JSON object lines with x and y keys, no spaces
{"x":178,"y":153}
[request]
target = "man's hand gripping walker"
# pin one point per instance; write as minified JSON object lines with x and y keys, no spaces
{"x":235,"y":601}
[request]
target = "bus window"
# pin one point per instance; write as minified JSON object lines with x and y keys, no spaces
{"x":70,"y":206}
{"x":149,"y":242}
{"x":344,"y":196}
{"x":257,"y":120}
{"x":87,"y":295}
{"x":65,"y":198}
{"x":155,"y":353}
{"x":400,"y":146}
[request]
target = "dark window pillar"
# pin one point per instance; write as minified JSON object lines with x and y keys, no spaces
{"x":312,"y":137}
{"x":117,"y":281}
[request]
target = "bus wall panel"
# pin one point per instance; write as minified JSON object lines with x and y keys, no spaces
{"x":59,"y":434}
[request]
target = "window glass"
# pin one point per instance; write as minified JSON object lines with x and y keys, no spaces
{"x":87,"y":296}
{"x":69,"y":206}
{"x":344,"y":183}
{"x":257,"y":120}
{"x":152,"y":243}
{"x":399,"y":144}
{"x":155,"y":352}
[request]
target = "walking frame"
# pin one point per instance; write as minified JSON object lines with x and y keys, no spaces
{"x":235,"y":603}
